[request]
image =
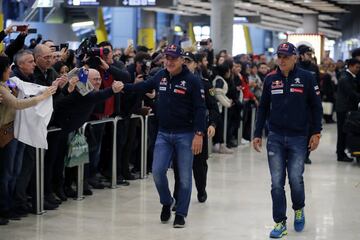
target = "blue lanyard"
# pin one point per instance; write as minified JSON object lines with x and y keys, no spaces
{"x":10,"y":84}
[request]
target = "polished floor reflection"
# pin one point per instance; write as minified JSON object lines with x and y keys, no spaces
{"x":238,"y":207}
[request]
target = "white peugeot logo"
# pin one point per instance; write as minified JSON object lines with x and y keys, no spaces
{"x":297,"y":80}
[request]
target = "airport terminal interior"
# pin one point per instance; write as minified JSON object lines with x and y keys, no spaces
{"x":179,"y":119}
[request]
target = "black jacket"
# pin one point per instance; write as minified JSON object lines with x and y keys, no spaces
{"x":347,"y":94}
{"x":313,"y":68}
{"x":180,"y":100}
{"x":15,"y":46}
{"x":73,"y":110}
{"x":17,"y":73}
{"x":327,"y":88}
{"x":119,"y":73}
{"x":2,"y":35}
{"x":290,"y":103}
{"x":214,"y":115}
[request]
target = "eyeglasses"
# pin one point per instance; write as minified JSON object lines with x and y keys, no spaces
{"x":96,"y":79}
{"x":48,"y":57}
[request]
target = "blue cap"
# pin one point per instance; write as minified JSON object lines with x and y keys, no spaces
{"x":174,"y":50}
{"x":286,"y":48}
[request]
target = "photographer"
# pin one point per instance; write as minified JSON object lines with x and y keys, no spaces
{"x":110,"y":71}
{"x":207,"y":47}
{"x":138,"y":71}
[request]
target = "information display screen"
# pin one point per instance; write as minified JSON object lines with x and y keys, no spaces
{"x":113,"y":3}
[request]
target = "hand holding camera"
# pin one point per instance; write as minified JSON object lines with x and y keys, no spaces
{"x":103,"y":64}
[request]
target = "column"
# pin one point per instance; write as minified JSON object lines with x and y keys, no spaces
{"x":123,"y":26}
{"x":147,"y":29}
{"x":221,"y":24}
{"x":310,"y":24}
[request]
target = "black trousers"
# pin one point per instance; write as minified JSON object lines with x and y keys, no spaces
{"x":23,"y":181}
{"x":234,"y":117}
{"x":54,"y":161}
{"x":128,"y":140}
{"x":247,"y":121}
{"x":200,"y":169}
{"x":153,"y":129}
{"x":341,"y":135}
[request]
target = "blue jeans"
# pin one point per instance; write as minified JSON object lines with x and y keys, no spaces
{"x":166,"y":145}
{"x":11,"y":157}
{"x":286,"y":153}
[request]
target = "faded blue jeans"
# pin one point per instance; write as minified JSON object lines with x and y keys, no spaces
{"x":166,"y":145}
{"x":286,"y":154}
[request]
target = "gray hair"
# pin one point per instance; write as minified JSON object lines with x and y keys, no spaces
{"x":20,"y":54}
{"x":39,"y":49}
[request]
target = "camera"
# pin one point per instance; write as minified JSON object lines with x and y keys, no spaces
{"x":203,"y":43}
{"x":145,"y":68}
{"x":90,"y":49}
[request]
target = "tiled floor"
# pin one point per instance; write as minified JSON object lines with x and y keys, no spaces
{"x":238,"y":207}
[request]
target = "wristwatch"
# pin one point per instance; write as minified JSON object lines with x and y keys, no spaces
{"x":201,"y":134}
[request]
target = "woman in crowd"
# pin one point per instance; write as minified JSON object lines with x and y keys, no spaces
{"x":11,"y":150}
{"x":221,"y":89}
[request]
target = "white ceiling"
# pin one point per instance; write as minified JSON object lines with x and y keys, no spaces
{"x":278,"y":15}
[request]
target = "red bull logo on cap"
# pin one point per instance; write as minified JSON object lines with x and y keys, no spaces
{"x":172,"y":47}
{"x":284,"y":47}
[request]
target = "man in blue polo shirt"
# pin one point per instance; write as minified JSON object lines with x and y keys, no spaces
{"x":181,"y":113}
{"x":290,"y":98}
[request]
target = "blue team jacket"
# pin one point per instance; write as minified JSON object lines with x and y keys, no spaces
{"x":291,"y":104}
{"x":180,"y":105}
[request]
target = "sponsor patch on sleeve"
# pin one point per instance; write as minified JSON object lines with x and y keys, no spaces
{"x":277,"y":91}
{"x":297,"y":90}
{"x":179,"y":91}
{"x":316,"y":87}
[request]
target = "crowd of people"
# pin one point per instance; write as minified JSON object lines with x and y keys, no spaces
{"x":187,"y":90}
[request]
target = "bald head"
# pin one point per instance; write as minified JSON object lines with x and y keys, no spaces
{"x":41,"y":49}
{"x":43,"y":57}
{"x":95,"y":78}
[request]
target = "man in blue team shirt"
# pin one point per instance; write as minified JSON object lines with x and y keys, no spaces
{"x":181,"y":113}
{"x":290,"y":98}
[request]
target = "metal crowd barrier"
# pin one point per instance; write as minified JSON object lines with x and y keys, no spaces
{"x":253,"y":117}
{"x":225,"y":124}
{"x":40,"y":155}
{"x":80,"y":179}
{"x":145,"y":141}
{"x":240,"y":129}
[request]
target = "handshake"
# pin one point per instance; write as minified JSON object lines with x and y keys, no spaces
{"x":117,"y":86}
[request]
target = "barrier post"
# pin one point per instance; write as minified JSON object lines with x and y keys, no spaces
{"x":253,"y":113}
{"x":240,"y":130}
{"x":39,"y":181}
{"x":146,"y":133}
{"x":142,"y":122}
{"x":114,"y":153}
{"x":225,"y":124}
{"x":80,"y":182}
